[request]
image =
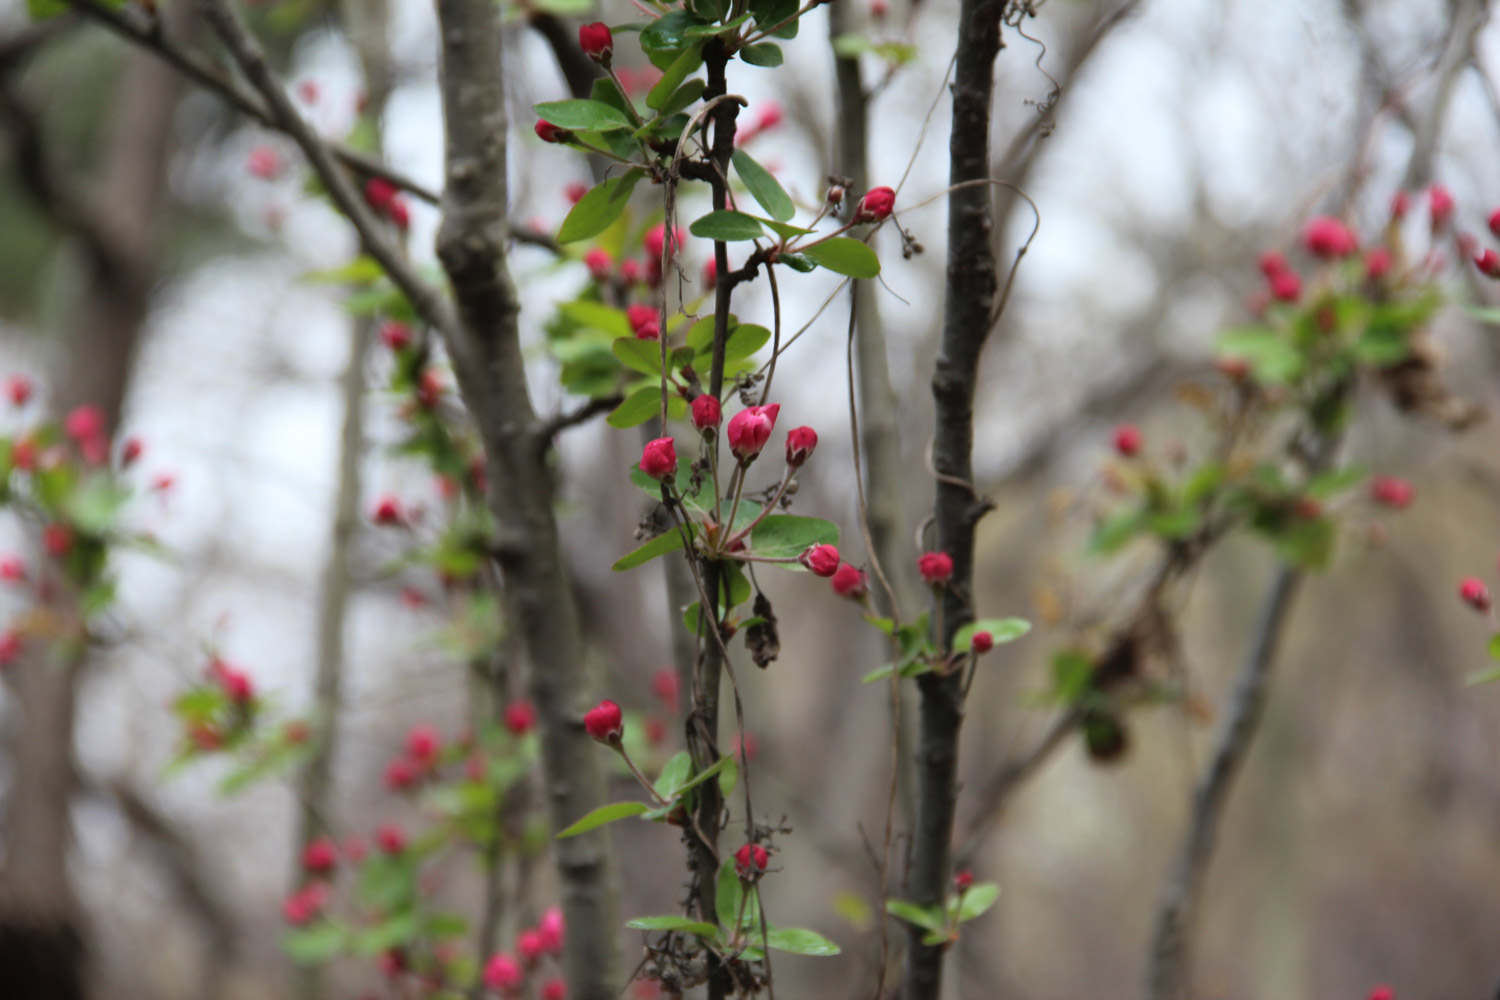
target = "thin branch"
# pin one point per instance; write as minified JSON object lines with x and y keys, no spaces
{"x":147,"y":32}
{"x":579,"y":415}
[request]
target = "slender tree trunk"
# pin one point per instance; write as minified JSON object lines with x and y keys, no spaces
{"x":968,"y":303}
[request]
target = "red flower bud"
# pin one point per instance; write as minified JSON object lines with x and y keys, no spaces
{"x":305,"y":904}
{"x":399,"y":213}
{"x":1328,"y":237}
{"x":982,"y":642}
{"x":520,"y":717}
{"x":596,"y":41}
{"x":1128,"y":439}
{"x":12,"y":570}
{"x":800,"y":442}
{"x":1488,"y":263}
{"x":848,"y":581}
{"x":875,"y":205}
{"x":750,"y":429}
{"x":390,"y":838}
{"x":236,"y":684}
{"x":422,"y":745}
{"x":750,"y":861}
{"x":664,"y":686}
{"x":822,"y":560}
{"x":1400,"y":203}
{"x":655,"y":241}
{"x":131,"y":451}
{"x":605,"y":722}
{"x":395,"y":335}
{"x":1377,"y":263}
{"x":936,"y":567}
{"x":710,"y":273}
{"x":599,"y":264}
{"x":548,"y":132}
{"x":551,"y":928}
{"x":387,"y":511}
{"x":1474,"y":593}
{"x":1286,"y":286}
{"x":641,"y":317}
{"x":529,"y":945}
{"x":264,"y":163}
{"x":379,"y":193}
{"x":574,"y":192}
{"x":1495,"y":222}
{"x":1271,"y":264}
{"x":963,"y":879}
{"x":10,"y":647}
{"x":1439,"y":205}
{"x":555,"y":989}
{"x":1382,"y":993}
{"x":503,"y":973}
{"x":706,"y":412}
{"x":400,"y":774}
{"x":83,"y":423}
{"x":18,"y":388}
{"x":320,"y":856}
{"x":659,"y":458}
{"x":57,"y":539}
{"x":1392,"y":491}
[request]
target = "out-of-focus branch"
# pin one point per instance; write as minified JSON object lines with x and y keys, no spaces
{"x":578,"y":69}
{"x":149,"y":33}
{"x":991,"y":797}
{"x":1469,"y":17}
{"x":374,"y":235}
{"x":486,"y":350}
{"x":581,"y":414}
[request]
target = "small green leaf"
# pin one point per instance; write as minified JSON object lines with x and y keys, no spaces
{"x":599,"y":207}
{"x":781,"y":536}
{"x":636,"y":408}
{"x":1332,"y":483}
{"x":728,"y":892}
{"x":682,"y":67}
{"x":879,"y":673}
{"x":1113,"y":532}
{"x":1174,"y":524}
{"x":770,"y":14}
{"x":763,"y":186}
{"x":583,"y":115}
{"x":603,"y":815}
{"x":686,"y":925}
{"x":844,"y":256}
{"x":674,"y":774}
{"x":767,"y":54}
{"x":799,"y":941}
{"x":1495,"y":646}
{"x":597,"y":316}
{"x":315,"y":944}
{"x":850,"y":46}
{"x":787,"y":231}
{"x":1270,"y":356}
{"x":727,"y":226}
{"x":745,"y":341}
{"x":977,"y":899}
{"x":929,"y":919}
{"x":1484,"y":314}
{"x":664,"y":38}
{"x":1000,"y":629}
{"x":643,"y":356}
{"x":667,"y":541}
{"x":703,"y":775}
{"x":385,"y":935}
{"x":683,"y":97}
{"x":729,"y":776}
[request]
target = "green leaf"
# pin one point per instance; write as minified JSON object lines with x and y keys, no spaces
{"x":1306,"y":542}
{"x":1270,"y":356}
{"x":603,"y":815}
{"x":1000,"y":629}
{"x":727,"y":226}
{"x":682,"y":67}
{"x":703,"y":775}
{"x":745,"y":341}
{"x":643,"y":356}
{"x":42,"y":9}
{"x":599,"y":207}
{"x":362,"y":270}
{"x":1174,"y":524}
{"x":977,"y":899}
{"x":597,"y":316}
{"x":707,"y":30}
{"x":787,"y":231}
{"x":929,"y":919}
{"x":797,"y":262}
{"x":879,"y":673}
{"x":896,"y":53}
{"x":1071,"y":675}
{"x":1484,"y":314}
{"x":583,"y":115}
{"x":636,"y":408}
{"x":674,"y":774}
{"x":850,"y":46}
{"x":439,"y":926}
{"x":767,"y":54}
{"x":763,"y":186}
{"x":1482,"y":677}
{"x":683,"y":96}
{"x":799,"y":941}
{"x":664,"y":38}
{"x":785,"y":535}
{"x":728,"y":892}
{"x":1332,"y":483}
{"x":844,"y":256}
{"x":318,"y":943}
{"x":1202,"y":483}
{"x":95,"y":504}
{"x":667,"y":541}
{"x":1495,"y":646}
{"x":729,"y":776}
{"x":686,"y":925}
{"x":1113,"y":532}
{"x":385,"y":935}
{"x":771,"y":13}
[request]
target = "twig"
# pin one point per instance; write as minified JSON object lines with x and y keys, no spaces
{"x":579,"y":415}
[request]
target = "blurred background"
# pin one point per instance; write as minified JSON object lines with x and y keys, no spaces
{"x":1164,"y":144}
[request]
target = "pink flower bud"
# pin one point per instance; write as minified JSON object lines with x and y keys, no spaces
{"x":502,"y":973}
{"x":750,"y":861}
{"x":1377,"y":263}
{"x":400,"y":774}
{"x":379,"y":193}
{"x":963,"y":879}
{"x":1474,"y":593}
{"x":57,"y":539}
{"x":982,"y":642}
{"x":529,"y":946}
{"x":1392,"y":491}
{"x":398,"y":212}
{"x":548,"y":132}
{"x":18,"y":388}
{"x":641,"y":317}
{"x":655,"y":240}
{"x":1439,"y":206}
{"x":849,"y":581}
{"x":822,"y":560}
{"x":551,"y":928}
{"x":395,"y":335}
{"x":422,"y":745}
{"x":879,"y":9}
{"x":706,"y":412}
{"x":1286,"y":286}
{"x":1271,"y":264}
{"x":387,"y":511}
{"x":596,"y":41}
{"x":659,"y":458}
{"x":936,"y":567}
{"x":800,"y":442}
{"x":12,"y":569}
{"x":1328,"y":237}
{"x":308,"y":91}
{"x":131,"y":451}
{"x":1400,"y":204}
{"x":1494,"y":222}
{"x":599,"y":264}
{"x":710,"y":273}
{"x":85,"y":422}
{"x":574,"y":192}
{"x":630,"y":272}
{"x":1128,"y":440}
{"x":605,"y":722}
{"x":520,"y":717}
{"x":304,"y":905}
{"x":1488,"y":263}
{"x":750,"y":429}
{"x":770,"y":116}
{"x":10,"y":647}
{"x":875,"y":205}
{"x":320,"y":856}
{"x":1382,"y":993}
{"x":237,"y":685}
{"x":264,"y":163}
{"x":664,"y":686}
{"x":555,"y":989}
{"x":390,"y":838}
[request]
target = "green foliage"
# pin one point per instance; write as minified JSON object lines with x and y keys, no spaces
{"x":763,"y":187}
{"x":844,"y":256}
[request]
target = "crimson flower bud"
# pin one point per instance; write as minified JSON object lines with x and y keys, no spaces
{"x":982,"y":642}
{"x":659,"y":458}
{"x":422,"y":745}
{"x":1328,"y":237}
{"x":936,"y":567}
{"x":706,"y":412}
{"x":639,"y":316}
{"x":630,"y":272}
{"x":1271,"y":264}
{"x":387,"y":511}
{"x":875,"y":205}
{"x":963,"y":879}
{"x":85,"y":422}
{"x":1474,"y":593}
{"x":655,"y":241}
{"x":1377,"y":263}
{"x":555,"y":989}
{"x":574,"y":192}
{"x":800,"y":442}
{"x":399,"y":213}
{"x":551,"y":928}
{"x":395,"y":335}
{"x":548,"y":132}
{"x":1488,"y":263}
{"x":597,"y":42}
{"x":1392,"y":491}
{"x":10,"y":647}
{"x":750,"y":429}
{"x":264,"y":163}
{"x":503,"y":973}
{"x":664,"y":686}
{"x":520,"y":717}
{"x":599,"y":263}
{"x":711,"y":273}
{"x":849,"y":581}
{"x":1128,"y":439}
{"x":18,"y":388}
{"x":750,"y":861}
{"x":12,"y":569}
{"x":605,"y":722}
{"x":400,"y":774}
{"x":1495,"y":222}
{"x":1286,"y":286}
{"x":529,"y":945}
{"x":379,"y":193}
{"x":821,"y":559}
{"x":320,"y":856}
{"x":131,"y":451}
{"x":57,"y":539}
{"x":237,"y":685}
{"x":1382,"y":993}
{"x":390,"y":838}
{"x":1439,"y":205}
